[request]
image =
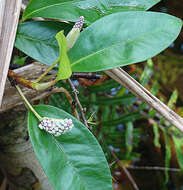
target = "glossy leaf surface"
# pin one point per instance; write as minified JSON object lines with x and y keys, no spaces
{"x":122,"y":39}
{"x":64,"y":68}
{"x":115,"y":40}
{"x":37,"y":39}
{"x":73,"y":160}
{"x":92,"y":10}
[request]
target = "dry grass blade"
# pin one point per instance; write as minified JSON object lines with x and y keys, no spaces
{"x":138,"y":90}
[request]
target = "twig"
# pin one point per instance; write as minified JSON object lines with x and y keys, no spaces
{"x":131,"y":84}
{"x":75,"y":92}
{"x":153,"y":168}
{"x":125,"y":171}
{"x":86,"y":75}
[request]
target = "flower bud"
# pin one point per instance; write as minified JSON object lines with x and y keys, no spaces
{"x":56,"y":126}
{"x":79,"y":23}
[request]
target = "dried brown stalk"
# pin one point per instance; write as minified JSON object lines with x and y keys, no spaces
{"x":138,"y":90}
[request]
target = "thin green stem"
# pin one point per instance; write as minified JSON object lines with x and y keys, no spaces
{"x":48,"y":70}
{"x":27,"y":103}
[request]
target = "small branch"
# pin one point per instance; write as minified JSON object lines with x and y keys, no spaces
{"x":138,"y":90}
{"x":48,"y":70}
{"x":125,"y":171}
{"x":75,"y":92}
{"x":153,"y":168}
{"x":76,"y":75}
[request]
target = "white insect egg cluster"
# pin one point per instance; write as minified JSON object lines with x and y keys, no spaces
{"x":56,"y":126}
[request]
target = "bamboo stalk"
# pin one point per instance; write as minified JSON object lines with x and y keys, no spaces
{"x":9,"y":15}
{"x":138,"y":90}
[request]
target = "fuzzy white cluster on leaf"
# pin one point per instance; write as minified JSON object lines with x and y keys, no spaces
{"x":56,"y":126}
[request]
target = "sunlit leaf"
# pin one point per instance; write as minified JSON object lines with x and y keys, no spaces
{"x":64,"y":68}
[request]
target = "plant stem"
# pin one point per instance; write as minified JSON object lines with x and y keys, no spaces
{"x":75,"y":92}
{"x":30,"y":84}
{"x":27,"y":103}
{"x":49,"y":69}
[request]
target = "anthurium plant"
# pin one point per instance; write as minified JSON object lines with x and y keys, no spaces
{"x":83,"y":36}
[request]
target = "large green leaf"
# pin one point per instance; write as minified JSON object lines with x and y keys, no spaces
{"x":91,"y":9}
{"x":123,"y":38}
{"x":37,"y":39}
{"x":73,"y":161}
{"x":115,"y":40}
{"x":64,"y":68}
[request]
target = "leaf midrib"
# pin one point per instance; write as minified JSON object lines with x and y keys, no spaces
{"x":114,"y":45}
{"x":74,"y":168}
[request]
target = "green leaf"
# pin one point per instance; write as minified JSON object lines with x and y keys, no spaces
{"x":141,"y":35}
{"x":37,"y":39}
{"x":178,"y":142}
{"x":147,"y":73}
{"x":64,"y":69}
{"x":129,"y":138}
{"x":91,"y":9}
{"x":167,"y":155}
{"x":19,"y":60}
{"x":156,"y":135}
{"x":73,"y":160}
{"x":173,"y":99}
{"x":122,"y":39}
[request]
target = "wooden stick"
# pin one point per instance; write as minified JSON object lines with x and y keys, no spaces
{"x":9,"y":15}
{"x":153,"y":168}
{"x":125,"y":171}
{"x":138,"y":90}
